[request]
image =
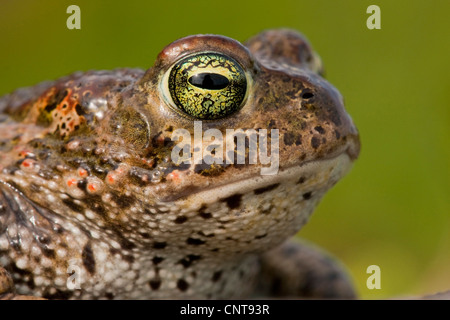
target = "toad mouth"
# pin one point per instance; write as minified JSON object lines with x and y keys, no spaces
{"x":316,"y":173}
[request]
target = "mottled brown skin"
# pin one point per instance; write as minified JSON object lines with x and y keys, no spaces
{"x":86,"y":176}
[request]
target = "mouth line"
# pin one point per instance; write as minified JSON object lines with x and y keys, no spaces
{"x":257,"y":181}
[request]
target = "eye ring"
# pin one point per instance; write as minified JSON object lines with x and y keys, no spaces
{"x":206,"y":85}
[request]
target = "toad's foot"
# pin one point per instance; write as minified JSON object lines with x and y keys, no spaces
{"x":295,"y":269}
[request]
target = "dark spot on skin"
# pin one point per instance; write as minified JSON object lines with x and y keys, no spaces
{"x":156,"y":139}
{"x":233,"y":201}
{"x":155,"y":284}
{"x":59,"y":230}
{"x":58,"y":98}
{"x":272,"y":124}
{"x":203,"y":214}
{"x":181,"y":219}
{"x":195,"y":242}
{"x":124,"y":242}
{"x":307,"y":95}
{"x":261,"y":236}
{"x":88,"y":258}
{"x":113,"y":251}
{"x":301,"y":180}
{"x":49,"y":253}
{"x":122,"y":200}
{"x":72,"y":205}
{"x":50,"y":107}
{"x":145,"y":235}
{"x":128,"y":258}
{"x":24,"y":274}
{"x":289,"y":139}
{"x":319,"y":129}
{"x":95,"y":204}
{"x":156,"y":260}
{"x":58,"y":295}
{"x":216,"y":276}
{"x":109,"y":295}
{"x":79,"y":109}
{"x":159,"y":245}
{"x":337,"y":134}
{"x":81,"y":184}
{"x":307,"y":195}
{"x":30,"y":283}
{"x":265,"y":189}
{"x":43,"y":239}
{"x":98,"y":208}
{"x":188,"y":260}
{"x":315,"y":142}
{"x":182,"y":285}
{"x":168,"y":142}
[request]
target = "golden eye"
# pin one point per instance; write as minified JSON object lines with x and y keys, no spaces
{"x":207,"y":85}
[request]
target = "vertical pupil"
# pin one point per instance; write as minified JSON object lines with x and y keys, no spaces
{"x":211,"y":81}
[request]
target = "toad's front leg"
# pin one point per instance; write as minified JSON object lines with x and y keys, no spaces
{"x":296,"y":269}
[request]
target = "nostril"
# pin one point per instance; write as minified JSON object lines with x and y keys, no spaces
{"x":307,"y":95}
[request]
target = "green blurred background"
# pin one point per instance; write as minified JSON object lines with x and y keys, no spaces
{"x":393,"y":209}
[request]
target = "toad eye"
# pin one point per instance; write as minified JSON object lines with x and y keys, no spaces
{"x":207,"y":85}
